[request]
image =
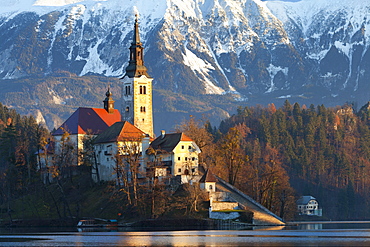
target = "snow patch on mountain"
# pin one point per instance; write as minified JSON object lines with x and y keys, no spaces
{"x":273,"y":70}
{"x":201,"y":68}
{"x":94,"y":63}
{"x":318,"y":56}
{"x":306,"y":13}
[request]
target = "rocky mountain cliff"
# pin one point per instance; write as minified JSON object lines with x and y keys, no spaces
{"x":217,"y":53}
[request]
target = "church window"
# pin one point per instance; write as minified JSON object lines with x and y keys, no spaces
{"x":193,"y":158}
{"x":127,"y":109}
{"x":182,"y":147}
{"x":186,"y":158}
{"x":179,"y":170}
{"x":128,"y":90}
{"x":178,"y":158}
{"x":143,"y":119}
{"x":142,"y":108}
{"x":189,"y":147}
{"x":210,"y":187}
{"x":193,"y":170}
{"x":142,"y":89}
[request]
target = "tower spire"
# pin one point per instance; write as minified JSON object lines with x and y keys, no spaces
{"x":109,"y":102}
{"x":136,"y":67}
{"x":136,"y":39}
{"x":137,"y":88}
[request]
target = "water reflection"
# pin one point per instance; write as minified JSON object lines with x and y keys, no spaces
{"x":311,"y":234}
{"x":313,"y":226}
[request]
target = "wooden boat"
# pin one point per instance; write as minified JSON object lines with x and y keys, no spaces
{"x":97,"y":223}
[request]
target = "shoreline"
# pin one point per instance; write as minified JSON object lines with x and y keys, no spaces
{"x":329,"y":222}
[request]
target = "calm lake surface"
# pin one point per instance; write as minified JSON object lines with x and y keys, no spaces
{"x":313,"y":234}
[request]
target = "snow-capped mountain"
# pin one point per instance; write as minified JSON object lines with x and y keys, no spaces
{"x":249,"y":48}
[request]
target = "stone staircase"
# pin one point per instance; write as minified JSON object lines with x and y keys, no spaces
{"x":261,"y":215}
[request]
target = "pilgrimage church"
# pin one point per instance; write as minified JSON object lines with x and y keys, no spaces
{"x":123,"y":145}
{"x":131,"y":129}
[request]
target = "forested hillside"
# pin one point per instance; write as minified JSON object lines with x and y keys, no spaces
{"x":275,"y":155}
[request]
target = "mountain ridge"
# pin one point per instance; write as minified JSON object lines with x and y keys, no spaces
{"x":256,"y":51}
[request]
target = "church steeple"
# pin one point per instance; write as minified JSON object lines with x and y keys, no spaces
{"x":109,"y":102}
{"x":136,"y":67}
{"x":137,"y":88}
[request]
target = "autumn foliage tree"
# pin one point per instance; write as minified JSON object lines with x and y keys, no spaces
{"x":318,"y":151}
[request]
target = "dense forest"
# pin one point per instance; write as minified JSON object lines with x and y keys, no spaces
{"x":272,"y":154}
{"x":276,"y":155}
{"x":20,"y":138}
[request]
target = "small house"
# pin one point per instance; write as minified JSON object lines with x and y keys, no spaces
{"x":176,"y":152}
{"x":308,"y":205}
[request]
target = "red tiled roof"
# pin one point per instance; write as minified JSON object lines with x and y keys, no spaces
{"x":185,"y":138}
{"x":88,"y":121}
{"x":120,"y":131}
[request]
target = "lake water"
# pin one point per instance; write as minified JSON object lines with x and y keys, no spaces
{"x":314,"y":234}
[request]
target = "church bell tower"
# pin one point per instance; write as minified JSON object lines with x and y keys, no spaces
{"x":109,"y":102}
{"x":137,"y":88}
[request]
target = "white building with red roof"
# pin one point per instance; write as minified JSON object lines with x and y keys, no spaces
{"x":117,"y":148}
{"x":176,"y":152}
{"x":86,"y":122}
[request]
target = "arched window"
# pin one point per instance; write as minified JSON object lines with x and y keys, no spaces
{"x":127,"y":109}
{"x":210,"y":187}
{"x":141,"y":89}
{"x":144,"y":89}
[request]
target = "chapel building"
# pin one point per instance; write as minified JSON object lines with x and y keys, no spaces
{"x":86,"y":121}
